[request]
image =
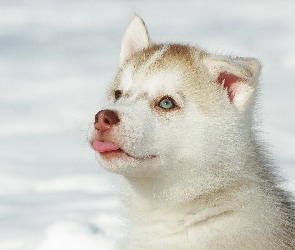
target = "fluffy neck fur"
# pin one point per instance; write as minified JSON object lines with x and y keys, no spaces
{"x":199,"y":221}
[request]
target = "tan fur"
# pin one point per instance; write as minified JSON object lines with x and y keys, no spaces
{"x":182,"y":58}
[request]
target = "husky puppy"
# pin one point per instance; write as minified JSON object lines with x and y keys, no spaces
{"x":178,"y":130}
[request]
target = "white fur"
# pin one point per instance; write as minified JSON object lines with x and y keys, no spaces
{"x":194,"y":177}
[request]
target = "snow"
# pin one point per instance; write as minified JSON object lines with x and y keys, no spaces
{"x":56,"y":59}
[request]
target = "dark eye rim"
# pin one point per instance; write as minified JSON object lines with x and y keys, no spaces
{"x":158,"y":100}
{"x":117,"y":94}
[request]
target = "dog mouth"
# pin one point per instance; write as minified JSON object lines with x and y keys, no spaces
{"x":110,"y":150}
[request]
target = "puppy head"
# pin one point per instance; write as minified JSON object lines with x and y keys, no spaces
{"x":175,"y":112}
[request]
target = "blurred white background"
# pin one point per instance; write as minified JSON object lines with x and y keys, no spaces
{"x":56,"y":59}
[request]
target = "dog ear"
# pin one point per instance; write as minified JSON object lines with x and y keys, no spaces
{"x":238,"y":76}
{"x":136,"y":38}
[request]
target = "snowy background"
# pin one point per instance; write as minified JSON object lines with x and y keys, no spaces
{"x":56,"y":58}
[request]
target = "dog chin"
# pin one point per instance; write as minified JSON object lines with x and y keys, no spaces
{"x":122,"y":163}
{"x":113,"y":154}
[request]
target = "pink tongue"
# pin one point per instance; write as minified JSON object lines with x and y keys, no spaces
{"x":101,"y":146}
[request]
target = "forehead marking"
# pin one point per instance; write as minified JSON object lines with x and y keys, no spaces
{"x":157,"y":55}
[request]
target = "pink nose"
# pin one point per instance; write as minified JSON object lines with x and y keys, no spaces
{"x":104,"y":119}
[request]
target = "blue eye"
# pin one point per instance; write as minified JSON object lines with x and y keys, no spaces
{"x":166,"y":103}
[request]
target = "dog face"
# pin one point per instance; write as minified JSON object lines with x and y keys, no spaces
{"x":175,"y":111}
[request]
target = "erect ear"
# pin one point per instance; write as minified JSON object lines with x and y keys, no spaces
{"x":136,"y":38}
{"x":238,"y":76}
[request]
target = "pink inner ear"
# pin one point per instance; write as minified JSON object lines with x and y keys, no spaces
{"x":132,"y":48}
{"x":230,"y":82}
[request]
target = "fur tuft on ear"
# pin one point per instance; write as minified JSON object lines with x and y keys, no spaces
{"x":136,"y":38}
{"x":238,"y":76}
